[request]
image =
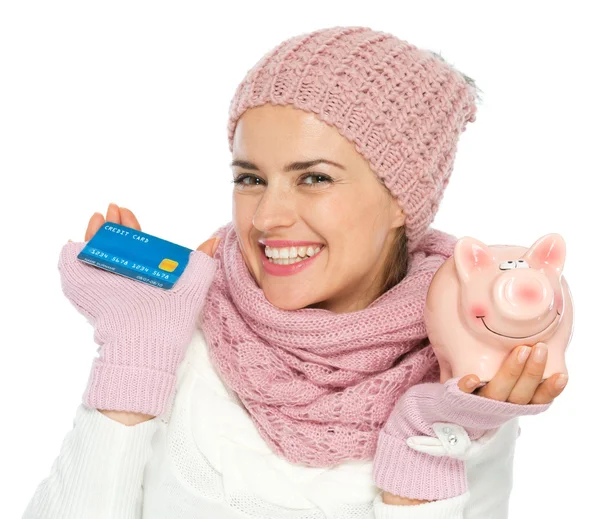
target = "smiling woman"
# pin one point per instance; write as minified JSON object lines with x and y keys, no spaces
{"x":342,"y":205}
{"x":308,"y":374}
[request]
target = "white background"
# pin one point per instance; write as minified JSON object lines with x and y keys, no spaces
{"x":127,"y":102}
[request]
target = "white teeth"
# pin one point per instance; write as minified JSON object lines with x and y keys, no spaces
{"x":291,"y":252}
{"x":286,"y":261}
{"x":289,"y":255}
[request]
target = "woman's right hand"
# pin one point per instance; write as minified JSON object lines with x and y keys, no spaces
{"x":143,"y":331}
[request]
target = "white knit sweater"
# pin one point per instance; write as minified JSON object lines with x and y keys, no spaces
{"x":205,"y":459}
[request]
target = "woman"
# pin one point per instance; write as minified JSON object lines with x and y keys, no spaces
{"x":297,"y":389}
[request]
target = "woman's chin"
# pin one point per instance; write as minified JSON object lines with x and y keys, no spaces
{"x":286,"y":300}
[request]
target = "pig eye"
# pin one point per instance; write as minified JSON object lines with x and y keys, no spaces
{"x":522,"y":264}
{"x":507,"y":265}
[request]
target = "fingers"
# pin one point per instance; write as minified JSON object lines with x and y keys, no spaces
{"x":468,"y":383}
{"x":503,"y":383}
{"x":210,"y":246}
{"x":530,"y":379}
{"x":550,"y":389}
{"x":128,"y":219}
{"x":519,"y":379}
{"x":96,"y":221}
{"x":115,"y":214}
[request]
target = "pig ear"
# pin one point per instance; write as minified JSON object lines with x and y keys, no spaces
{"x":471,"y":255}
{"x":548,"y":253}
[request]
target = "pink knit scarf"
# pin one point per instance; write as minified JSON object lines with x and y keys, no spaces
{"x":320,"y":385}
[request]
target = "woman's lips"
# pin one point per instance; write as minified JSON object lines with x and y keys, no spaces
{"x":287,"y":270}
{"x":289,"y":243}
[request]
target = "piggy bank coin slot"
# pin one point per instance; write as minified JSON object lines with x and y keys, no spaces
{"x":512,"y":264}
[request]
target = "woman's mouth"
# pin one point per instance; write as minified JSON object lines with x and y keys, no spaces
{"x":282,"y":266}
{"x":289,"y":255}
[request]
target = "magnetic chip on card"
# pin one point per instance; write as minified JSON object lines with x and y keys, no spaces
{"x":168,"y":265}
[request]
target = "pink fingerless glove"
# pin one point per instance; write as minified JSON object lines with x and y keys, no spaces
{"x":404,"y":464}
{"x":143,"y":331}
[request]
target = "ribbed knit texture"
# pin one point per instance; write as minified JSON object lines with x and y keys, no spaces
{"x":98,"y":473}
{"x":319,"y":385}
{"x":142,"y":330}
{"x":201,"y":463}
{"x":403,"y":471}
{"x":403,"y":107}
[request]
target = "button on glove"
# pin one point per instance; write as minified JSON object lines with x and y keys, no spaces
{"x":432,"y":429}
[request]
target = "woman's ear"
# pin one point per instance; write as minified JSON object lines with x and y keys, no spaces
{"x":399,"y":216}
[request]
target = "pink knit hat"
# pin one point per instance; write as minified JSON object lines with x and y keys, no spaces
{"x":403,"y":108}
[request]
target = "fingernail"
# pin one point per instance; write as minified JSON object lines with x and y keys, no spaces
{"x":539,"y":355}
{"x":215,"y":245}
{"x":471,"y":383}
{"x":523,"y":354}
{"x":561,"y":381}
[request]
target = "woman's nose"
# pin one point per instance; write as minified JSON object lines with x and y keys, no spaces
{"x":275,"y":209}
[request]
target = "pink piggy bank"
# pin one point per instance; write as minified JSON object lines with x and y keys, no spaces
{"x":486,"y":300}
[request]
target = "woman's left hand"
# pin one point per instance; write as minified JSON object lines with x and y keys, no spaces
{"x":518,"y":379}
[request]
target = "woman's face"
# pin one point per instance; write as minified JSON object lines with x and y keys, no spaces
{"x":345,"y":210}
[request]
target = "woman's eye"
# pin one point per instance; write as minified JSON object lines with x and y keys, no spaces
{"x":316,"y":175}
{"x":254,"y":180}
{"x":241,"y":178}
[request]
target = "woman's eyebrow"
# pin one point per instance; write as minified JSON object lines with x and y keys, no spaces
{"x":294,"y":166}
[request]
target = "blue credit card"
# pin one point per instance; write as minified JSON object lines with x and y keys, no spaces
{"x":136,"y":254}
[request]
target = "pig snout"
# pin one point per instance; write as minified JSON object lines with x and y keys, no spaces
{"x":523,"y":296}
